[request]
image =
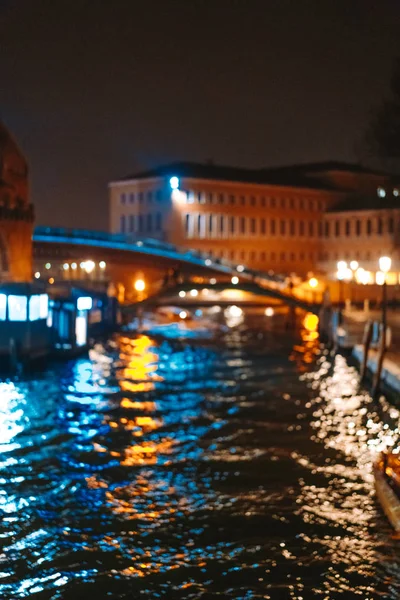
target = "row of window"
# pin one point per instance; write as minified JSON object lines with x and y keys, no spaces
{"x":255,"y":201}
{"x":356,"y":255}
{"x":141,"y":223}
{"x":211,"y":225}
{"x":141,"y":197}
{"x":261,"y":256}
{"x":358,"y":227}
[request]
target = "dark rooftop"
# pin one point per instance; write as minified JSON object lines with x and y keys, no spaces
{"x":367,"y":203}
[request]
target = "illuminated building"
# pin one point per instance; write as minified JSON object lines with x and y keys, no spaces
{"x":16,"y":213}
{"x":270,"y":219}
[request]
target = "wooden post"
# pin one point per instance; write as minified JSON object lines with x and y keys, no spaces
{"x":381,"y":355}
{"x":366,"y":344}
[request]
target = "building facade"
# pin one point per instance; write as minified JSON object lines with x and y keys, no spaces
{"x":16,"y":213}
{"x":290,"y":220}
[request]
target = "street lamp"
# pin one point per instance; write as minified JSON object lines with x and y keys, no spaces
{"x":385,"y":262}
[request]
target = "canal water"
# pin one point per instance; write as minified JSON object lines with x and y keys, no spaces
{"x":232,"y":466}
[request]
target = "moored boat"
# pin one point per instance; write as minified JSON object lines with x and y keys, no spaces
{"x":387,"y":486}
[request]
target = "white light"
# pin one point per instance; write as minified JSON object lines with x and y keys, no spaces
{"x":380,"y":277}
{"x":240,"y":268}
{"x":3,"y":307}
{"x":65,"y":266}
{"x":37,"y":275}
{"x":194,"y":293}
{"x":235,"y":280}
{"x":341,"y":265}
{"x":269,"y":312}
{"x":84,"y":303}
{"x":213,"y":281}
{"x":354,"y":265}
{"x":385,"y":262}
{"x":207,"y":262}
{"x":44,"y":306}
{"x":182,"y":294}
{"x":347,"y":274}
{"x":17,"y":308}
{"x":74,"y":266}
{"x":340,"y":275}
{"x":174,"y":182}
{"x":82,"y":265}
{"x":34,"y":308}
{"x":183,"y":314}
{"x":48,"y":266}
{"x":234,"y":311}
{"x":102,"y":264}
{"x":381,"y":192}
{"x":81,"y":331}
{"x":89,"y":266}
{"x":395,"y":192}
{"x":205,"y":291}
{"x":139,"y":285}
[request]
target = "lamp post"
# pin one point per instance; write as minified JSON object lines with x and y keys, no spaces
{"x":385,"y":262}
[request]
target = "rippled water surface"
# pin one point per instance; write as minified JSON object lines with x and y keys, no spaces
{"x":236,"y":467}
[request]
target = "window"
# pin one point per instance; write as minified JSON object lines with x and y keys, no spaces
{"x":348,"y":227}
{"x":292,"y":226}
{"x":311,"y":229}
{"x":123,"y":198}
{"x":221,"y":224}
{"x":291,"y":203}
{"x":232,"y":225}
{"x":272,"y":202}
{"x":292,"y":256}
{"x":34,"y":308}
{"x":369,"y":227}
{"x":390,"y":225}
{"x":189,"y":197}
{"x":301,"y":204}
{"x":380,"y":226}
{"x":368,"y":255}
{"x":320,"y":229}
{"x":17,"y":308}
{"x":149,"y":223}
{"x":262,"y":226}
{"x":242,"y":200}
{"x":327,"y":229}
{"x":252,"y":256}
{"x":358,"y":227}
{"x":187,"y":224}
{"x":301,"y":227}
{"x":263,"y":201}
{"x":243,"y":255}
{"x":141,"y":197}
{"x":140,"y":225}
{"x":131,"y":198}
{"x":262,"y":256}
{"x":283,"y":203}
{"x":232,"y":255}
{"x":272,"y":227}
{"x":3,"y":307}
{"x":158,"y":222}
{"x":253,"y":226}
{"x":199,"y":225}
{"x":123,"y":224}
{"x":301,"y":255}
{"x":221,"y":198}
{"x":283,"y":256}
{"x":242,"y":225}
{"x":131,"y":223}
{"x":273,"y":256}
{"x":158,"y":195}
{"x":210,"y":198}
{"x":337,"y":228}
{"x":252,"y":201}
{"x":210,"y":224}
{"x":149,"y":196}
{"x":232,"y":199}
{"x":283,"y":227}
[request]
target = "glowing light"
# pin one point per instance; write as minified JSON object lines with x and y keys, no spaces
{"x":207,"y":262}
{"x":102,"y":264}
{"x":213,"y":281}
{"x":311,"y":322}
{"x":51,"y":280}
{"x":205,"y":291}
{"x":183,"y":314}
{"x":354,"y":265}
{"x":82,"y":265}
{"x":84,"y":303}
{"x":3,"y":307}
{"x":313,"y":282}
{"x":235,"y":280}
{"x":74,"y":266}
{"x":34,"y":308}
{"x":174,"y":182}
{"x":48,"y":266}
{"x":380,"y":277}
{"x":89,"y":266}
{"x":17,"y":308}
{"x":240,"y":268}
{"x":395,"y":192}
{"x":81,"y":331}
{"x":139,"y":285}
{"x":234,"y":311}
{"x":385,"y":262}
{"x":182,"y":294}
{"x":269,"y":312}
{"x":44,"y":306}
{"x":194,"y":293}
{"x":341,"y":265}
{"x":66,"y":266}
{"x":381,"y":192}
{"x":37,"y":275}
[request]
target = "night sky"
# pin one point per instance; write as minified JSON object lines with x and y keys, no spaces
{"x":94,"y":90}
